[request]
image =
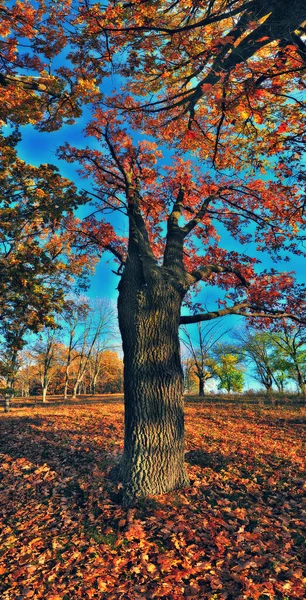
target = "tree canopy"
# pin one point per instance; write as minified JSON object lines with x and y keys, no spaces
{"x":222,"y":84}
{"x":41,"y":252}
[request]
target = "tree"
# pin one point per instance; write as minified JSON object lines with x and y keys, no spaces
{"x":201,"y":352}
{"x":46,"y":352}
{"x":42,"y":254}
{"x":256,"y":348}
{"x":231,"y":377}
{"x":73,"y":315}
{"x":40,"y":247}
{"x":9,"y":367}
{"x":27,"y":375}
{"x":191,"y":384}
{"x":277,"y":353}
{"x":96,"y":328}
{"x":281,"y":371}
{"x":111,"y":372}
{"x":90,"y":325}
{"x":290,"y":340}
{"x":222,"y":82}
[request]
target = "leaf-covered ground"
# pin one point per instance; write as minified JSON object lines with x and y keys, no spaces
{"x":238,"y":532}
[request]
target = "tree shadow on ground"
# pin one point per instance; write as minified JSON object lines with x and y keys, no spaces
{"x":214,"y":460}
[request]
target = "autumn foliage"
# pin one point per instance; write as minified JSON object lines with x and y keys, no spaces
{"x":235,"y":533}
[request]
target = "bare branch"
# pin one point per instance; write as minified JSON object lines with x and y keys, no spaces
{"x":231,"y":310}
{"x":203,"y":272}
{"x":243,"y":309}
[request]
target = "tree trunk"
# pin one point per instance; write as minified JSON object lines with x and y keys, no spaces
{"x":302,"y":386}
{"x":201,"y":386}
{"x":268,"y":383}
{"x":149,"y":314}
{"x":94,"y":384}
{"x":66,"y":387}
{"x":44,"y":394}
{"x":75,"y":390}
{"x":7,"y":402}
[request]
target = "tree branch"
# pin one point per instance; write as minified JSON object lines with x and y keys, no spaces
{"x":233,"y":310}
{"x":241,"y":310}
{"x":31,"y":83}
{"x":183,"y":28}
{"x":200,"y":214}
{"x":115,"y":252}
{"x":177,"y":209}
{"x":203,"y":272}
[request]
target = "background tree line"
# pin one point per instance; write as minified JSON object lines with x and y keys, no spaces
{"x":80,"y":356}
{"x":275,"y":358}
{"x":76,"y":356}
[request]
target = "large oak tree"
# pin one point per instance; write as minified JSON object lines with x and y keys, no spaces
{"x":220,"y":82}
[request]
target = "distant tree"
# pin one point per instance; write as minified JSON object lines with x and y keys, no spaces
{"x":200,"y":351}
{"x":277,"y":354}
{"x":94,"y":366}
{"x":11,"y":345}
{"x":229,"y":371}
{"x":90,"y":324}
{"x":281,"y":368}
{"x":46,"y":355}
{"x":111,"y":372}
{"x":9,"y":366}
{"x":26,"y":374}
{"x":257,"y":351}
{"x":74,"y":315}
{"x":191,"y":382}
{"x":290,"y":341}
{"x":42,"y":255}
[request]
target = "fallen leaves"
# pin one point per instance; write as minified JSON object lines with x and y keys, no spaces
{"x":237,"y":533}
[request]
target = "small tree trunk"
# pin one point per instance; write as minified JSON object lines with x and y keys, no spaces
{"x":153,"y":459}
{"x":44,"y":394}
{"x":94,"y":384}
{"x":7,"y":402}
{"x":302,"y":386}
{"x":75,"y":389}
{"x":66,"y":390}
{"x":201,"y":386}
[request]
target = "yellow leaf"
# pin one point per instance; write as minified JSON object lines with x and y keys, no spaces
{"x":102,"y":586}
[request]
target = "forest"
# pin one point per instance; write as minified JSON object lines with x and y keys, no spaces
{"x":152,"y":252}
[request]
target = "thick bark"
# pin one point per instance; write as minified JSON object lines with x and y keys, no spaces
{"x":149,"y":316}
